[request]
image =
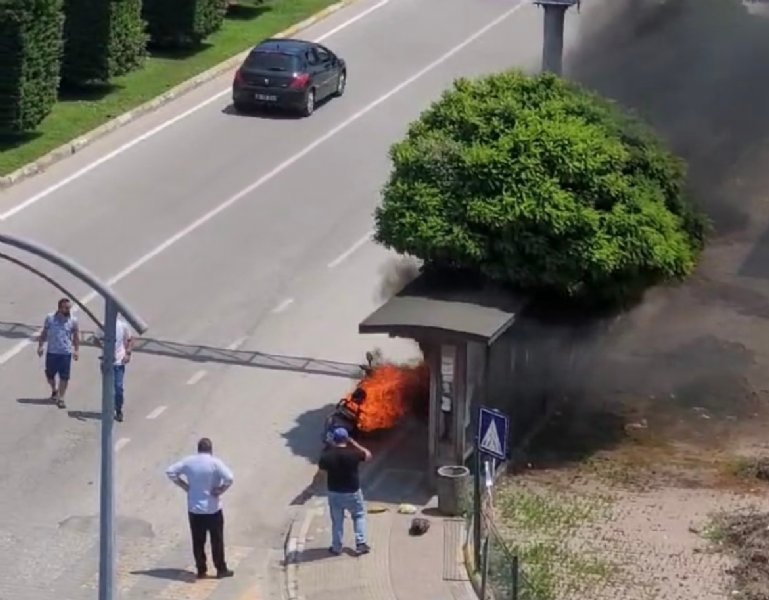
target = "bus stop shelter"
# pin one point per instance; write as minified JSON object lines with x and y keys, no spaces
{"x":459,"y":325}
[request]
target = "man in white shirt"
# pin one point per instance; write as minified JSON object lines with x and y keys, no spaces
{"x":205,"y":478}
{"x":123,"y":348}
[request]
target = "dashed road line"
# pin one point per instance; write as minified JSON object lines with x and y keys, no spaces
{"x":121,"y":443}
{"x":196,"y":377}
{"x":237,"y":343}
{"x":157,"y":412}
{"x":351,"y":250}
{"x":283,"y":306}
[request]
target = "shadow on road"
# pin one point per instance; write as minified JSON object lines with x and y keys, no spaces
{"x":169,"y":574}
{"x":261,"y":113}
{"x":80,"y":415}
{"x":37,"y":401}
{"x":305,"y":437}
{"x":204,"y":354}
{"x":84,"y":415}
{"x":268,"y":112}
{"x":315,"y":554}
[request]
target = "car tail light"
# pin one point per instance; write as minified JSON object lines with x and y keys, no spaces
{"x":238,"y":78}
{"x":300,"y":81}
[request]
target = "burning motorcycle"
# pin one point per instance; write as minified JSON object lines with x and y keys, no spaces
{"x":347,"y":412}
{"x":384,"y":395}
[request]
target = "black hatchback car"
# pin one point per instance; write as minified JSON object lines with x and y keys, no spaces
{"x":291,"y":74}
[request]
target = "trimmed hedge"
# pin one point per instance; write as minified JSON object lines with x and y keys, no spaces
{"x":103,"y":39}
{"x":182,"y":23}
{"x":30,"y":60}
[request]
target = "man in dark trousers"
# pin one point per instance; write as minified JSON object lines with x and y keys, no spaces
{"x":340,"y":461}
{"x":205,"y":478}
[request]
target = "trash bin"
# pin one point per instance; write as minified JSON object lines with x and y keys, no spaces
{"x":452,"y":486}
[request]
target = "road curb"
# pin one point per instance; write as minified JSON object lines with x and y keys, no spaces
{"x":295,"y":542}
{"x":86,"y":139}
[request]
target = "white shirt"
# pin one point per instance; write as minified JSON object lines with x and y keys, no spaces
{"x":203,"y":473}
{"x":122,"y":335}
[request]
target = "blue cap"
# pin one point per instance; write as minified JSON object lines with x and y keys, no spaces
{"x":340,"y":435}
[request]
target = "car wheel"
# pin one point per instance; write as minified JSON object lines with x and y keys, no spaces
{"x":309,"y":103}
{"x":239,"y":107}
{"x":341,"y":84}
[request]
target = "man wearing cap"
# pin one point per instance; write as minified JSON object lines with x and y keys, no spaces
{"x":340,"y":461}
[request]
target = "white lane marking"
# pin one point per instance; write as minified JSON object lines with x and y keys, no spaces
{"x":196,"y":377}
{"x":237,"y":343}
{"x":121,"y":443}
{"x":345,"y":24}
{"x":155,"y":130}
{"x":351,"y":250}
{"x":284,"y":165}
{"x":283,"y":306}
{"x":157,"y":412}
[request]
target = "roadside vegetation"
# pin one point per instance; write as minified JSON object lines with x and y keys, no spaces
{"x":111,"y":63}
{"x":539,"y":184}
{"x":743,"y":536}
{"x":538,"y":523}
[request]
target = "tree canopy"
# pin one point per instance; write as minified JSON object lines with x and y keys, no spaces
{"x":539,"y":183}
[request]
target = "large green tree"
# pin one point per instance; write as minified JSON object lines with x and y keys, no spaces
{"x":103,"y":39}
{"x":30,"y":62}
{"x":538,"y":183}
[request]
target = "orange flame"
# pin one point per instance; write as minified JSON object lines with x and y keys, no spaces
{"x":391,"y":391}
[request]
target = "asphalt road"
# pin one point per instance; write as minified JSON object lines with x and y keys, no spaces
{"x":222,"y":231}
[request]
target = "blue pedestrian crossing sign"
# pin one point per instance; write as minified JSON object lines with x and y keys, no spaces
{"x":492,"y":433}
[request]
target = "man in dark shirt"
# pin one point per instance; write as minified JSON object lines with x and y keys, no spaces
{"x":340,"y":460}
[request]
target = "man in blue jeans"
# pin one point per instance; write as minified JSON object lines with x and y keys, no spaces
{"x":123,"y":349}
{"x":341,"y":460}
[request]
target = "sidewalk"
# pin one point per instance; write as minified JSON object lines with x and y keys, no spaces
{"x":400,"y":566}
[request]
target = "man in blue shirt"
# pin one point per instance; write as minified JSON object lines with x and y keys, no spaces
{"x":62,"y":334}
{"x":205,"y":478}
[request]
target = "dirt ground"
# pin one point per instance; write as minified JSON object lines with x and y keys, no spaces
{"x":649,"y":519}
{"x":648,"y":484}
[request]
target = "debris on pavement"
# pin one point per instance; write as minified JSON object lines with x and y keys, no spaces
{"x":419,"y":526}
{"x":407,"y":509}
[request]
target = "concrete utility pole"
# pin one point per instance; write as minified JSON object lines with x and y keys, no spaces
{"x":552,"y":49}
{"x":112,"y":306}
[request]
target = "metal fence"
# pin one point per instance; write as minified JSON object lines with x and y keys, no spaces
{"x":501,"y":572}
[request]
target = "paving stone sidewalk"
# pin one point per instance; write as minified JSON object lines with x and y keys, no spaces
{"x":400,"y":566}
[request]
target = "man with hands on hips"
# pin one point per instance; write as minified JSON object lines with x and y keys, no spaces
{"x":205,"y":478}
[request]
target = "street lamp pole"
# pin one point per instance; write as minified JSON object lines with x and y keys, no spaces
{"x":113,"y":305}
{"x":107,"y":480}
{"x":552,"y":47}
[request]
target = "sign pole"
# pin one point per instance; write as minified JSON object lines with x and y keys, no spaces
{"x":477,"y":503}
{"x":552,"y":46}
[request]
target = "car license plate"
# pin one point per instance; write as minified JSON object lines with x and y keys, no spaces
{"x":265,"y":97}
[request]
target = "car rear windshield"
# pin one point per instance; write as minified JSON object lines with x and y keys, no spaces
{"x":271,"y":61}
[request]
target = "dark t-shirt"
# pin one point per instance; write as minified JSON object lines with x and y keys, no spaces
{"x":341,"y":463}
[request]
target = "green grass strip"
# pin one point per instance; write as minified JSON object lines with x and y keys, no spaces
{"x":75,"y":115}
